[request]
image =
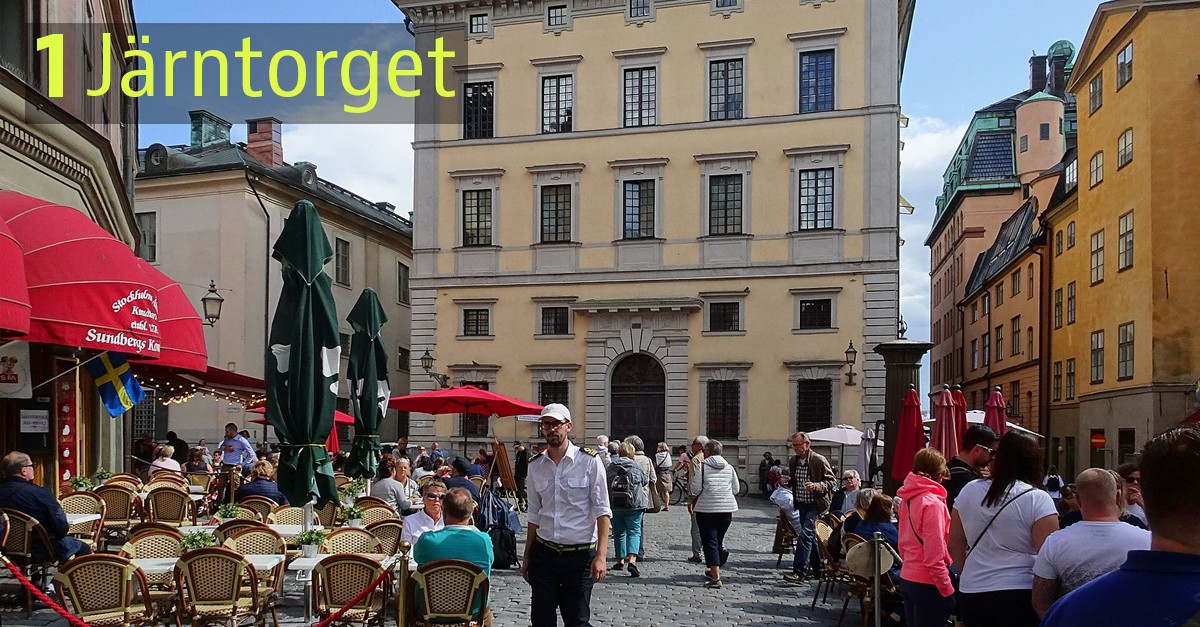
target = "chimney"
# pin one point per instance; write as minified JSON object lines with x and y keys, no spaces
{"x":208,"y":129}
{"x":1037,"y":73}
{"x":264,"y":140}
{"x":1057,"y":81}
{"x":385,"y":206}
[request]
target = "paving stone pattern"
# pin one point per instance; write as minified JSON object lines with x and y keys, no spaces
{"x":668,"y":593}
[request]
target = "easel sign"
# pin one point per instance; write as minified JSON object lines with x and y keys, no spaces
{"x":502,"y":466}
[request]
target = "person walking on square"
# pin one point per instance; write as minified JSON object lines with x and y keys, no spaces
{"x":568,"y":522}
{"x":812,"y":484}
{"x":715,"y":486}
{"x":693,"y":469}
{"x":520,"y":473}
{"x":627,"y":496}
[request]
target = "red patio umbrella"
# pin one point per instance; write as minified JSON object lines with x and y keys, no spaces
{"x":960,"y":412}
{"x":331,"y":443}
{"x":465,"y":399}
{"x":995,"y":414}
{"x":910,"y":436}
{"x":944,"y":435}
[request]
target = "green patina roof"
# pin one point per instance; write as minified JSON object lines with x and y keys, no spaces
{"x":1041,"y":95}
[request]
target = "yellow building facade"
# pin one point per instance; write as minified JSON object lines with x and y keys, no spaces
{"x":1133,"y":261}
{"x":675,"y":217}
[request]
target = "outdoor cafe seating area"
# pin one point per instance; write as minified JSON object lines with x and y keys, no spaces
{"x":169,"y":550}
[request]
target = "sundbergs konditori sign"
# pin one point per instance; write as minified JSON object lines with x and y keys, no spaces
{"x":133,"y":325}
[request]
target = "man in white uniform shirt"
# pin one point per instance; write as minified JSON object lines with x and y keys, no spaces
{"x":569,"y":519}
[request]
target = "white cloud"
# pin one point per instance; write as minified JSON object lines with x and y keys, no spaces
{"x":928,"y":146}
{"x":374,"y":161}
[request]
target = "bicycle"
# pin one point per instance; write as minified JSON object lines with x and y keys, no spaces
{"x":679,"y":489}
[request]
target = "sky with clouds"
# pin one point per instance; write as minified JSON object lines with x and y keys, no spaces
{"x":962,"y":56}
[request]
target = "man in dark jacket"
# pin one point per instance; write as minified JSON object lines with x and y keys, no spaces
{"x":521,"y":470}
{"x":18,"y":492}
{"x":975,"y":453}
{"x":812,"y":482}
{"x":181,"y":447}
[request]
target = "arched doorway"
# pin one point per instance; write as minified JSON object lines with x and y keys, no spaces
{"x":639,"y":399}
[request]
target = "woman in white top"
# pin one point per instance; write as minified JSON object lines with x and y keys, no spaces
{"x":715,"y":485}
{"x":996,"y":529}
{"x":428,"y":519}
{"x":164,"y":461}
{"x":662,"y":466}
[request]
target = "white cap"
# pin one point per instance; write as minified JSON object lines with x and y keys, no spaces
{"x":558,"y":410}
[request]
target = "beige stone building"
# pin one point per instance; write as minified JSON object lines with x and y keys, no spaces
{"x":211,"y":210}
{"x":674,"y":216}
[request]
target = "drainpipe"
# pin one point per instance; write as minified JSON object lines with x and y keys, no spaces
{"x":1045,"y":328}
{"x":267,"y":263}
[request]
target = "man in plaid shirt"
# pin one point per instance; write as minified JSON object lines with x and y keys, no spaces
{"x":812,"y":484}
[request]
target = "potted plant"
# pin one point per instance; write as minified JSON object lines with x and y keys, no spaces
{"x":81,"y":483}
{"x":101,"y":476}
{"x":351,"y":491}
{"x":310,"y":541}
{"x":353,"y":515}
{"x":198,"y":540}
{"x":227,"y":511}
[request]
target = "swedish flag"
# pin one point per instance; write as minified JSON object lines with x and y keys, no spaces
{"x":114,"y":380}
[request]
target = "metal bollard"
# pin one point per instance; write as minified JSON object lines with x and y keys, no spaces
{"x":877,"y":559}
{"x":405,"y":548}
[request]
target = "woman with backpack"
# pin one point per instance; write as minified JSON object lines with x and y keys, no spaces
{"x":1053,"y":484}
{"x":714,"y":485}
{"x":628,"y":498}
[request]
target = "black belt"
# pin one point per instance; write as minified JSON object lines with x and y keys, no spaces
{"x":565,"y":548}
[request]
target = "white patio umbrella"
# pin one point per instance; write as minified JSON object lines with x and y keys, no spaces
{"x":841,"y":435}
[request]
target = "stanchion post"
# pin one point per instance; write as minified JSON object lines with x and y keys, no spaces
{"x":405,"y":548}
{"x":877,"y":558}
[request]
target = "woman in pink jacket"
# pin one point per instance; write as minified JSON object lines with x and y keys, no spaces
{"x":924,"y":524}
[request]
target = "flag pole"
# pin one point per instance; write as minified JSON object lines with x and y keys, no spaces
{"x":70,"y":370}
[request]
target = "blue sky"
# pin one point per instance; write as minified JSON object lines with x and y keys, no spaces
{"x":962,"y":56}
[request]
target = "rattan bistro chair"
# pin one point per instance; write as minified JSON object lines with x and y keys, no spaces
{"x":447,"y":591}
{"x":351,"y":540}
{"x":99,"y":589}
{"x":327,"y":514}
{"x":229,"y":527}
{"x":388,"y":532}
{"x":831,"y":570}
{"x":24,"y":535}
{"x":170,"y":505}
{"x":376,"y":512}
{"x":339,"y":579}
{"x":290,"y":515}
{"x":219,"y":587}
{"x":121,"y":509}
{"x":262,"y":541}
{"x":260,"y":504}
{"x":85,"y":503}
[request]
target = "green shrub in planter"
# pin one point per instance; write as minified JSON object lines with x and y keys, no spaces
{"x":310,"y":541}
{"x":228,"y":511}
{"x":81,"y":483}
{"x":198,"y":540}
{"x":353,"y":512}
{"x":101,"y":476}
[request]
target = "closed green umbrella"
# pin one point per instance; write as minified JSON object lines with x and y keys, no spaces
{"x":303,"y":360}
{"x":369,"y":390}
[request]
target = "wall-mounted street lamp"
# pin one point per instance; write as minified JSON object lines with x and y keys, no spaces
{"x":211,"y":303}
{"x":851,"y":357}
{"x":443,"y":380}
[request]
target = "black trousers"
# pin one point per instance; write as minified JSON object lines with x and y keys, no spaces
{"x":712,"y":535}
{"x":560,"y":581}
{"x":1000,"y":608}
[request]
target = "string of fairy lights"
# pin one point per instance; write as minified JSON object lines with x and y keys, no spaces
{"x":173,"y":391}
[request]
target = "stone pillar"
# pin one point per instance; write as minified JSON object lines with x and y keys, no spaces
{"x":902,"y":367}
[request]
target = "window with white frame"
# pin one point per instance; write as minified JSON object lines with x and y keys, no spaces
{"x":1058,"y":308}
{"x":640,"y":97}
{"x":1070,"y":235}
{"x":403,"y":273}
{"x":1057,"y":386}
{"x":1058,"y":243}
{"x":555,"y":213}
{"x":479,"y":108}
{"x":479,"y":24}
{"x":475,"y":317}
{"x":1125,"y":351}
{"x":1096,"y":169}
{"x":637,"y":9}
{"x":1125,"y":148}
{"x":1097,"y":357}
{"x":725,"y":204}
{"x":814,"y":313}
{"x":724,"y":312}
{"x":726,"y":6}
{"x":1016,"y":336}
{"x":477,"y":217}
{"x":1098,"y":256}
{"x":556,"y":320}
{"x":1071,"y":176}
{"x":638,"y":209}
{"x":974,"y":354}
{"x":986,"y":341}
{"x":725,"y":85}
{"x":558,"y":17}
{"x":341,"y":261}
{"x":1070,"y":379}
{"x":816,"y":199}
{"x":1125,"y":241}
{"x":1125,"y":65}
{"x":999,"y":342}
{"x":816,"y":81}
{"x":147,"y":224}
{"x":1096,"y":93}
{"x":557,"y":103}
{"x":1016,"y":282}
{"x":1071,"y":302}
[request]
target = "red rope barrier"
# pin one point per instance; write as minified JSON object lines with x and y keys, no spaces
{"x":356,"y":600}
{"x":74,"y":620}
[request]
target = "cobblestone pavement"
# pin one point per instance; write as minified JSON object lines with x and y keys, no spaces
{"x":669,"y":591}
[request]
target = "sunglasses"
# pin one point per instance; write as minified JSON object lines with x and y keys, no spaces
{"x":1133,"y":479}
{"x":437,"y":496}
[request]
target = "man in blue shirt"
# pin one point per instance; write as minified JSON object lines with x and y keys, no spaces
{"x":1164,"y":581}
{"x":236,"y":450}
{"x":458,"y":540}
{"x":18,"y":492}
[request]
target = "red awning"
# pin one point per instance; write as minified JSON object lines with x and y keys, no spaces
{"x":175,"y":385}
{"x":14,"y":296}
{"x":339,"y":417}
{"x":178,"y":324}
{"x":1193,"y":418}
{"x":85,"y":287}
